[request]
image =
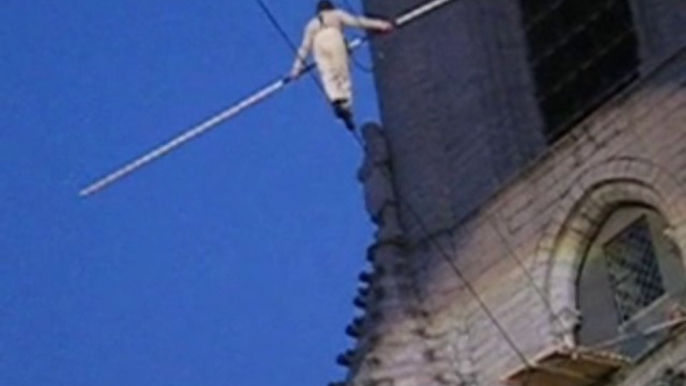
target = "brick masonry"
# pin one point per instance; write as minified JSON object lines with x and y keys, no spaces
{"x":510,"y":213}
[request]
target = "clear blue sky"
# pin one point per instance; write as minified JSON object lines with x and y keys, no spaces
{"x":230,"y":262}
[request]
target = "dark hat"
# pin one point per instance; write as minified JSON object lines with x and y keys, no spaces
{"x":325,"y":5}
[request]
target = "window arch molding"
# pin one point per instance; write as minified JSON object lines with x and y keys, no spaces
{"x":594,"y":195}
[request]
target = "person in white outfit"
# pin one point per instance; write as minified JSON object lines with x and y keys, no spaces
{"x":324,"y":36}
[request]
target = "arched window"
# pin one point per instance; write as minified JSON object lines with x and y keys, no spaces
{"x":631,"y":275}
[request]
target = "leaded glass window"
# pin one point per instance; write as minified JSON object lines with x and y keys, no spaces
{"x":632,"y":274}
{"x":633,"y":269}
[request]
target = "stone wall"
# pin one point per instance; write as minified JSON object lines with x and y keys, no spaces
{"x":521,"y":252}
{"x":469,"y":199}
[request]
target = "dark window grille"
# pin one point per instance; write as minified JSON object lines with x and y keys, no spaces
{"x":633,"y":269}
{"x":581,"y":53}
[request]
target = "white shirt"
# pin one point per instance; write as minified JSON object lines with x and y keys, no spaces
{"x":337,"y":19}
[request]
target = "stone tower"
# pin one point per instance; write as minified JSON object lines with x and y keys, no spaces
{"x":528,"y":181}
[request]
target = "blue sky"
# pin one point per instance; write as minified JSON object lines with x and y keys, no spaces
{"x":233,"y":261}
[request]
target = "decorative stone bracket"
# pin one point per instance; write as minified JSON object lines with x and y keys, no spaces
{"x":379,"y":193}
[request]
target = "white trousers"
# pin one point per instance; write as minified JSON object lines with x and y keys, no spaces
{"x":331,"y":57}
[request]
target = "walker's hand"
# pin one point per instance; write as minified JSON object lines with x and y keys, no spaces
{"x":293,"y":76}
{"x":388,"y":27}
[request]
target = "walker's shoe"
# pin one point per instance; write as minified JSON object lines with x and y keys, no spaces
{"x":347,"y":117}
{"x":349,"y":123}
{"x":342,"y":111}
